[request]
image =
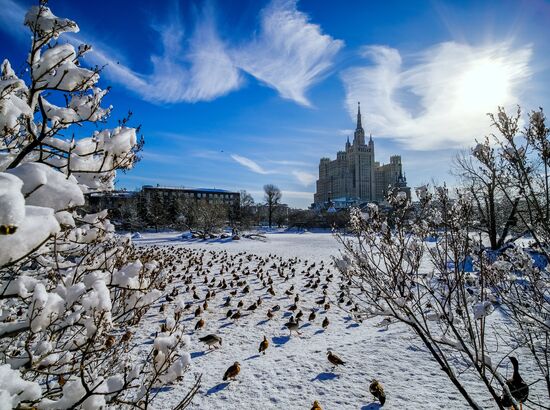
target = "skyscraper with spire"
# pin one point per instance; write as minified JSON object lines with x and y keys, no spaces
{"x":354,"y":176}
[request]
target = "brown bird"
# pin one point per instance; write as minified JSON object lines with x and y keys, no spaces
{"x":236,"y":315}
{"x":316,"y":406}
{"x":200,"y":324}
{"x":263,"y":346}
{"x":377,"y":391}
{"x":110,"y":342}
{"x":126,"y":336}
{"x":334,"y":359}
{"x":269,"y":314}
{"x":325,"y":322}
{"x":311,"y":317}
{"x":232,"y":371}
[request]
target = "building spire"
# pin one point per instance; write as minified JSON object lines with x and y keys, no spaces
{"x":359,"y":126}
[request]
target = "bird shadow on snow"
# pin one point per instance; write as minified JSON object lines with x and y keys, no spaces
{"x":319,"y":332}
{"x":280,"y":340}
{"x":252,"y":357}
{"x":217,"y":388}
{"x":324,"y":376}
{"x":262,"y":322}
{"x":372,"y":406}
{"x":225,"y":325}
{"x":352,"y":325}
{"x":198,"y":354}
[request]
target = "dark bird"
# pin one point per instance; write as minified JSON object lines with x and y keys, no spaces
{"x":518,"y":388}
{"x":293,"y":326}
{"x":325,"y":322}
{"x":269,"y":314}
{"x":232,"y":371}
{"x":211,"y":340}
{"x":334,"y":359}
{"x":377,"y":391}
{"x":236,"y":315}
{"x":275,"y":308}
{"x":316,"y":406}
{"x":263,"y":346}
{"x":311,"y":317}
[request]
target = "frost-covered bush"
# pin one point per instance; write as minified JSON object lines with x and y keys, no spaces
{"x":430,"y":266}
{"x":72,"y":292}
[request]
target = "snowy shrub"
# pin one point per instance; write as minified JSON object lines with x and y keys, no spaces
{"x":425,"y":266}
{"x":71,"y":290}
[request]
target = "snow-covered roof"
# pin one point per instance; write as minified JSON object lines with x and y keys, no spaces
{"x":213,"y":190}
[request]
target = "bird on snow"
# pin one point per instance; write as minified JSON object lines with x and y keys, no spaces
{"x":517,"y":386}
{"x":200,"y":324}
{"x":377,"y":391}
{"x":325,"y":323}
{"x":232,"y":371}
{"x":316,"y":406}
{"x":293,"y":326}
{"x":263,"y":346}
{"x":334,"y":359}
{"x":311,"y":317}
{"x":211,"y":340}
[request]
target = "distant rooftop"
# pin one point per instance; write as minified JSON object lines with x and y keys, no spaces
{"x":213,"y":190}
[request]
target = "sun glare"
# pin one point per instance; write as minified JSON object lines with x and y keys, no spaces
{"x":484,"y":85}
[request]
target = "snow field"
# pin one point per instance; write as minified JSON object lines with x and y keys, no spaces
{"x":295,"y":371}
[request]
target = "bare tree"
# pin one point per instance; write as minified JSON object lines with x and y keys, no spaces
{"x":484,"y":180}
{"x":272,"y":196}
{"x":205,"y":218}
{"x":246,"y":210}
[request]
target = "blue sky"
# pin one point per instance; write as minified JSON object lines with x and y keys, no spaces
{"x":237,"y":94}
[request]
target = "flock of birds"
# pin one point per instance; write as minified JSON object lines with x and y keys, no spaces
{"x":207,"y":281}
{"x":201,"y":278}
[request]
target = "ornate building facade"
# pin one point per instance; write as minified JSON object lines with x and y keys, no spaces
{"x":355,"y":177}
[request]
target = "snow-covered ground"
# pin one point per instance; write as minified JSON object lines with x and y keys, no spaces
{"x":295,"y":371}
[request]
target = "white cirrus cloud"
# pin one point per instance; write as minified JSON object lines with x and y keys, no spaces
{"x":305,"y":178}
{"x":289,"y":53}
{"x":441,"y":100}
{"x":250,"y":164}
{"x":203,"y":72}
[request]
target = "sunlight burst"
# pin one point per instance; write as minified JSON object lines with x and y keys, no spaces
{"x":484,"y":85}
